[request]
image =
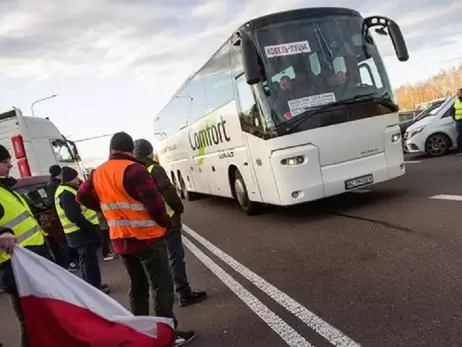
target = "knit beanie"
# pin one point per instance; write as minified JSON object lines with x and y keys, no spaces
{"x":122,"y":142}
{"x":4,"y":154}
{"x":68,"y":174}
{"x":143,"y":148}
{"x":55,"y":170}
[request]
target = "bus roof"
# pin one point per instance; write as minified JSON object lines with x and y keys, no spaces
{"x":298,"y":14}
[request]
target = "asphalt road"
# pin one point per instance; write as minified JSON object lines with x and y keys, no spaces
{"x":379,"y":267}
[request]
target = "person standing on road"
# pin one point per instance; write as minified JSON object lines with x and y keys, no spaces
{"x":128,"y":197}
{"x":457,"y":115}
{"x":67,"y":257}
{"x":144,"y":152}
{"x":17,"y":226}
{"x":80,"y":226}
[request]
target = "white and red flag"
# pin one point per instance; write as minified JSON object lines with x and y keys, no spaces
{"x":62,"y":310}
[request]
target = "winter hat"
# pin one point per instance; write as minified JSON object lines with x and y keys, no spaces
{"x":4,"y":154}
{"x":55,"y":170}
{"x":122,"y":142}
{"x":68,"y":174}
{"x":143,"y":148}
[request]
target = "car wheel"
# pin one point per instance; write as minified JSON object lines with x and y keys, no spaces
{"x":437,"y":145}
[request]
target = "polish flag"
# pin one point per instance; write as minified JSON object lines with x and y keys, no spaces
{"x":60,"y":309}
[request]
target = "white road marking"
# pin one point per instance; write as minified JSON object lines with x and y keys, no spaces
{"x":447,"y":197}
{"x":330,"y":333}
{"x":412,"y":161}
{"x":285,"y":331}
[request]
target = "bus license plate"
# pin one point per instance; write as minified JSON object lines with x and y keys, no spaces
{"x":359,"y":181}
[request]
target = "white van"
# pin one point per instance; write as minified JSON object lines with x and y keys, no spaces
{"x":435,"y":134}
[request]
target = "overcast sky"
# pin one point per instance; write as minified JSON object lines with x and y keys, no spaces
{"x":115,"y":63}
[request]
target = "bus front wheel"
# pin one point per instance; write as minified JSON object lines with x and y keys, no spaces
{"x":249,"y":207}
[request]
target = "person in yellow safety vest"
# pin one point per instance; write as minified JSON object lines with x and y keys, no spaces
{"x":144,"y":152}
{"x":17,"y":226}
{"x":81,"y":227}
{"x":457,"y":115}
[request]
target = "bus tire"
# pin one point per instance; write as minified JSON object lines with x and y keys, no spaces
{"x":242,"y":197}
{"x":177,"y":185}
{"x":185,"y":193}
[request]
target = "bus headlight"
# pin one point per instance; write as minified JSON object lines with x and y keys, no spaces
{"x":292,"y":161}
{"x":395,"y":137}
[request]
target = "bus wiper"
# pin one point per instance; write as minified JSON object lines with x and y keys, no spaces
{"x":382,"y":99}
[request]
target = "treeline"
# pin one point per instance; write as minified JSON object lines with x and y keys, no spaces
{"x":445,"y":83}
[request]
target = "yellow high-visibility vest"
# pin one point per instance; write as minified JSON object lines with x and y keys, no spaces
{"x":458,"y":109}
{"x":170,"y":211}
{"x":68,"y":226}
{"x":19,"y":218}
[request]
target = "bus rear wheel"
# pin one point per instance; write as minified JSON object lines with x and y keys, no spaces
{"x":183,"y":192}
{"x":242,"y":197}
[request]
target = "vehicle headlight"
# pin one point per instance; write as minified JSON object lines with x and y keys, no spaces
{"x":416,"y":131}
{"x":395,"y":137}
{"x":292,"y":161}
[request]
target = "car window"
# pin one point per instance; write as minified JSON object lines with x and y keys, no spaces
{"x":36,"y":197}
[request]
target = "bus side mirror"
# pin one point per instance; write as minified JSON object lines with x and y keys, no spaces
{"x":250,"y":61}
{"x":397,"y":39}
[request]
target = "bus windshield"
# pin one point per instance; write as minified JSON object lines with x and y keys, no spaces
{"x":317,"y":61}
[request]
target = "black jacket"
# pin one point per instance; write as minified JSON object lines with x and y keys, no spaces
{"x":51,"y":189}
{"x":7,"y":282}
{"x":88,"y":233}
{"x":168,"y":191}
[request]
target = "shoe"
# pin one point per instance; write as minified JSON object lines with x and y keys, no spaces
{"x":72,"y":267}
{"x":184,"y":337}
{"x":192,"y":298}
{"x":104,"y":286}
{"x":110,"y":256}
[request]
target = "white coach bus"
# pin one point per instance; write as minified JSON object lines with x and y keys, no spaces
{"x":295,"y":106}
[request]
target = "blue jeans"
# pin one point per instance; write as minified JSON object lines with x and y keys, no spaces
{"x":459,"y":135}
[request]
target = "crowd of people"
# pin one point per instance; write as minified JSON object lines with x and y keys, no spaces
{"x":128,"y":204}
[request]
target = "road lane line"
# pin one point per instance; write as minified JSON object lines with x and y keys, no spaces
{"x":285,"y":331}
{"x":330,"y":333}
{"x":447,"y":197}
{"x":412,"y":161}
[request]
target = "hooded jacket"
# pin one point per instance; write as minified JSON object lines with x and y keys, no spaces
{"x":167,"y":189}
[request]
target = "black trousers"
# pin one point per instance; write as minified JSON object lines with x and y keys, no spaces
{"x":177,"y":264}
{"x":105,"y":248}
{"x":16,"y":304}
{"x":89,"y":265}
{"x":148,"y":269}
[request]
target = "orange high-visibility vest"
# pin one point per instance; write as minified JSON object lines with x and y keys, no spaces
{"x":126,"y":217}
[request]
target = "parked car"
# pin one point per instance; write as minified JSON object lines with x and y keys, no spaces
{"x":406,"y":116}
{"x":434,"y":134}
{"x":431,"y":110}
{"x":423,"y":106}
{"x":32,"y":189}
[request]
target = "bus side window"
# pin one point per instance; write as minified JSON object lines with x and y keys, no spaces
{"x":368,"y":73}
{"x":249,"y":113}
